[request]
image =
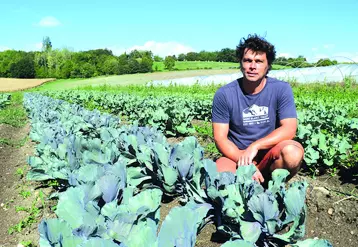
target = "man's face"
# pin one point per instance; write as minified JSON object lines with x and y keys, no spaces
{"x":254,"y":65}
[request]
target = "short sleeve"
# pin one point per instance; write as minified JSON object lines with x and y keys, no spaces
{"x":286,"y":107}
{"x":220,"y":109}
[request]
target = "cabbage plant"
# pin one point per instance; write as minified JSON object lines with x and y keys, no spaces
{"x":245,"y":210}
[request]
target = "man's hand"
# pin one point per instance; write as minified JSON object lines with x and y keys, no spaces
{"x":258,"y":176}
{"x":246,"y":156}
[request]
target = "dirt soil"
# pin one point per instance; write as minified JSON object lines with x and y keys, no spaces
{"x":16,"y":191}
{"x":332,"y":205}
{"x":10,"y":84}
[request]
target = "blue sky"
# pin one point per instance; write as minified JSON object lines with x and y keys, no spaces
{"x":314,"y":29}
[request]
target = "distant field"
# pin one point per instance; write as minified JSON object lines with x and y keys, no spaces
{"x":195,"y":65}
{"x":9,"y":84}
{"x":137,"y":79}
{"x":134,"y":79}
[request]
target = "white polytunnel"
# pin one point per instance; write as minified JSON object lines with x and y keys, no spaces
{"x":334,"y":73}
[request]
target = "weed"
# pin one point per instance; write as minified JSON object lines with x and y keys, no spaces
{"x":211,"y":148}
{"x":53,"y":183}
{"x":14,"y":114}
{"x":12,"y":143}
{"x":42,"y":198}
{"x":7,"y":204}
{"x":19,"y":172}
{"x":32,"y":218}
{"x":21,"y":208}
{"x":5,"y":141}
{"x":25,"y":194}
{"x":333,"y":172}
{"x":204,"y":129}
{"x":27,"y":243}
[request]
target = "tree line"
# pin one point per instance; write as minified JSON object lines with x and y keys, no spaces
{"x":63,"y":63}
{"x":67,"y":64}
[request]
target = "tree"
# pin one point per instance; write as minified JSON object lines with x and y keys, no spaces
{"x":227,"y":55}
{"x":46,"y":44}
{"x":325,"y":62}
{"x":181,"y":57}
{"x":24,"y":68}
{"x":66,"y":69}
{"x":169,"y":62}
{"x":158,"y":58}
{"x":135,"y":54}
{"x":110,"y":66}
{"x":146,"y":65}
{"x":192,"y":56}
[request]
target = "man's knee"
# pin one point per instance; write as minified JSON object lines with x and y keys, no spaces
{"x":292,"y":156}
{"x":224,"y":164}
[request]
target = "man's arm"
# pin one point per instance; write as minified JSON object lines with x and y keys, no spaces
{"x":286,"y":131}
{"x":229,"y":149}
{"x":225,"y":146}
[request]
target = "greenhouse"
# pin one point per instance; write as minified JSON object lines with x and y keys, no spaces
{"x":334,"y":73}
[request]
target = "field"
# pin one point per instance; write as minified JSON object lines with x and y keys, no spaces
{"x":196,"y":65}
{"x":187,"y":69}
{"x":133,"y":79}
{"x":10,"y":85}
{"x":331,"y":197}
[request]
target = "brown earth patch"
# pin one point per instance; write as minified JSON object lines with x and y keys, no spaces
{"x":16,"y":192}
{"x":12,"y":84}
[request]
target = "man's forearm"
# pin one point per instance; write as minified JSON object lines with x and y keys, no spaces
{"x":228,"y":149}
{"x":280,"y":134}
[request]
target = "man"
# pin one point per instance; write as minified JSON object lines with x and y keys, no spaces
{"x":254,"y":118}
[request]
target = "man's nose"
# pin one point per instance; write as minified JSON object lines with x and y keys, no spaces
{"x":253,"y":65}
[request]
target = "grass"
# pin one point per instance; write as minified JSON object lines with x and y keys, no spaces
{"x":194,"y":65}
{"x":125,"y":80}
{"x":195,"y":90}
{"x":14,"y":143}
{"x":14,"y":114}
{"x":346,"y":89}
{"x":185,"y":69}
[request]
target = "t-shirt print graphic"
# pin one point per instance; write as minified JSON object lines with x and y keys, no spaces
{"x":255,"y":114}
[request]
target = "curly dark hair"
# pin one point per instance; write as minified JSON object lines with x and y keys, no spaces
{"x":258,"y":44}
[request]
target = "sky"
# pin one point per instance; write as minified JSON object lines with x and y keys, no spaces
{"x":315,"y":29}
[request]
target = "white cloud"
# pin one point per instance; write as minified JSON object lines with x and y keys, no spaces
{"x":328,"y":46}
{"x":158,"y":48}
{"x":314,"y":49}
{"x":49,"y":21}
{"x":32,"y":47}
{"x":4,"y":48}
{"x":116,"y":50}
{"x":314,"y":58}
{"x":283,"y":54}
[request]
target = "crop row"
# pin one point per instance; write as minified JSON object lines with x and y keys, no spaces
{"x":114,"y":178}
{"x":328,"y":127}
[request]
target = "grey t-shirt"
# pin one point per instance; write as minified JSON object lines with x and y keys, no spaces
{"x":252,"y":117}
